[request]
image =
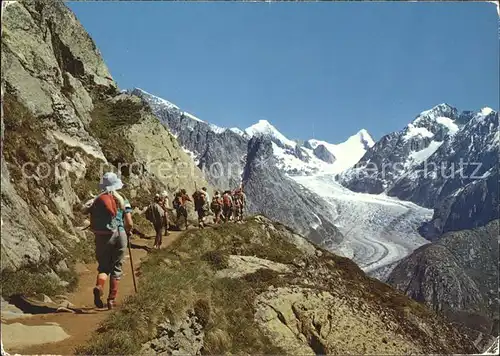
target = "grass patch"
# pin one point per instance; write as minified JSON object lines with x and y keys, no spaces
{"x":216,"y":259}
{"x":183,"y":278}
{"x":26,"y":281}
{"x":84,"y":250}
{"x":109,"y":121}
{"x":239,"y":239}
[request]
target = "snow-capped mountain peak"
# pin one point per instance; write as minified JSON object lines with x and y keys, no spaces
{"x":265,"y":128}
{"x":486,"y":111}
{"x":365,"y":137}
{"x":433,"y":124}
{"x":440,"y":110}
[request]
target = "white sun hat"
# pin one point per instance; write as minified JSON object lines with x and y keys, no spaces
{"x":110,"y":182}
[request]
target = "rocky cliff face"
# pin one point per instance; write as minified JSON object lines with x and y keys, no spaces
{"x":457,"y":276}
{"x":66,"y":123}
{"x":471,"y":206}
{"x":323,"y":154}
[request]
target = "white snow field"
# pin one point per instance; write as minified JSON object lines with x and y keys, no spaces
{"x":379,"y":230}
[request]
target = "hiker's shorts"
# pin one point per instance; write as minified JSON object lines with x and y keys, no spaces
{"x":110,"y":252}
{"x":182,"y":211}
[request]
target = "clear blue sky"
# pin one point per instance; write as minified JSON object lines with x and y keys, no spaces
{"x":312,"y":69}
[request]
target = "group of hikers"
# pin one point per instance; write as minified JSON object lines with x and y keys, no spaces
{"x":112,"y":224}
{"x":225,"y":207}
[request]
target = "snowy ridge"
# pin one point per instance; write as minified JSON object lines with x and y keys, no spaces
{"x":347,"y":153}
{"x":264,"y":128}
{"x":192,"y":117}
{"x":298,"y":160}
{"x":448,"y":123}
{"x":486,"y":111}
{"x":238,"y":131}
{"x":413,"y":131}
{"x":159,"y":101}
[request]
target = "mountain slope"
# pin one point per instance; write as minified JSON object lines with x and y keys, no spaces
{"x":396,"y":153}
{"x":460,"y":160}
{"x":65,"y":123}
{"x":219,"y":153}
{"x":468,"y":207}
{"x":277,"y":196}
{"x":274,"y":164}
{"x":261,"y":289}
{"x":458,"y":276}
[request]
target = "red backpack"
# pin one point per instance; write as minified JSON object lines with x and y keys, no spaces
{"x":103,"y":214}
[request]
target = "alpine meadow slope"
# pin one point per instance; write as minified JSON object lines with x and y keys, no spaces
{"x":260,"y":288}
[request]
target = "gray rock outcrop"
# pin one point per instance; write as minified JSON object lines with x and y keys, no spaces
{"x":323,"y":154}
{"x":457,"y":276}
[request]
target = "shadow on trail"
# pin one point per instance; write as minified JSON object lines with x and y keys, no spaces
{"x":140,"y":247}
{"x":32,"y":306}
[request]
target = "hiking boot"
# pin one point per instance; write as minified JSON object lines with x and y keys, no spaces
{"x":113,"y":291}
{"x":98,"y":293}
{"x":111,"y":304}
{"x":99,"y":290}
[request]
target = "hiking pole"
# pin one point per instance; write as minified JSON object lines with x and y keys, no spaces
{"x":131,"y":261}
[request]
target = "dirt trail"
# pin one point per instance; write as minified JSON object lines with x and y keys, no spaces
{"x":81,"y":326}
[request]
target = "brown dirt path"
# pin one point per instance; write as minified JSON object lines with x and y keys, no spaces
{"x":81,"y":326}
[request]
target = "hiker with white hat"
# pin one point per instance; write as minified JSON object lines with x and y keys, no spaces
{"x":110,"y":221}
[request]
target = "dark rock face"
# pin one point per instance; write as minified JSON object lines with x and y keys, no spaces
{"x":392,"y":156}
{"x":323,"y":154}
{"x":457,"y":276}
{"x":463,"y":159}
{"x":273,"y":194}
{"x":474,"y":205}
